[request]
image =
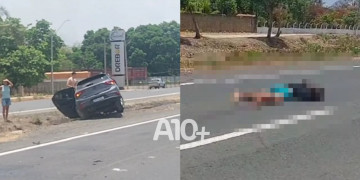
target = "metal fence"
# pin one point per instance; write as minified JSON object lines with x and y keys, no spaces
{"x":309,"y":28}
{"x":44,"y":88}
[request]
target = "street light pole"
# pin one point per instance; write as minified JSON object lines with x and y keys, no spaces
{"x":52,"y":56}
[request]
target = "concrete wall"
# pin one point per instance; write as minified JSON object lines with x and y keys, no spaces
{"x":218,"y":23}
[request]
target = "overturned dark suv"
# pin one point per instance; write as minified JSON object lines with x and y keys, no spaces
{"x":95,"y":95}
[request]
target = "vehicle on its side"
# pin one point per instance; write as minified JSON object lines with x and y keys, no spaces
{"x":156,"y":83}
{"x":95,"y":95}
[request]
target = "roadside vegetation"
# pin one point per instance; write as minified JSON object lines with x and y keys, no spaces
{"x":342,"y":12}
{"x":345,"y":13}
{"x":25,"y":50}
{"x":318,"y":44}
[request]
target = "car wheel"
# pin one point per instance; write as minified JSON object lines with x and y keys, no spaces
{"x":119,"y":107}
{"x":164,"y":86}
{"x":83,"y":116}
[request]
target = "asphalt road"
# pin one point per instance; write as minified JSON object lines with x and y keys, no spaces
{"x":319,"y":142}
{"x":47,"y":103}
{"x":127,"y":152}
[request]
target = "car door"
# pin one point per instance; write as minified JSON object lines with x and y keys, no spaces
{"x":64,"y":100}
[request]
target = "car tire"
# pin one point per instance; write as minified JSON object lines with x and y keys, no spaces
{"x":83,"y":116}
{"x":118,"y":107}
{"x":164,"y":86}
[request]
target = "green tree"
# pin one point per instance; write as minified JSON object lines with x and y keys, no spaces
{"x":351,"y":19}
{"x":12,"y":35}
{"x":155,"y":47}
{"x":94,"y":42}
{"x":39,"y":37}
{"x":64,"y":63}
{"x":25,"y":66}
{"x":192,"y":7}
{"x":228,"y":7}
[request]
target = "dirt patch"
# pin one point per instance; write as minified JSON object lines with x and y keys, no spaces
{"x":22,"y":125}
{"x":328,"y":44}
{"x":149,"y":104}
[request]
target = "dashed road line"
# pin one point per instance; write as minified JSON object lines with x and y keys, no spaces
{"x":275,"y":124}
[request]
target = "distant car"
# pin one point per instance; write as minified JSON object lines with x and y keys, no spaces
{"x":156,"y":83}
{"x":95,"y":95}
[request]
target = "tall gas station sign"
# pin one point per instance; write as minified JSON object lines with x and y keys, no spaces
{"x":117,"y":39}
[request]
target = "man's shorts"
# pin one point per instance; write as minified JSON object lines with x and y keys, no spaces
{"x":6,"y":102}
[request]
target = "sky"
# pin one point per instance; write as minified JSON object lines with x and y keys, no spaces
{"x":329,"y":2}
{"x":84,"y":15}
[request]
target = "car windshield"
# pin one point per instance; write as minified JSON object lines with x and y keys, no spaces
{"x":92,"y":80}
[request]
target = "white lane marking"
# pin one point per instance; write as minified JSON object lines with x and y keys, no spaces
{"x":186,"y":84}
{"x":119,"y":170}
{"x":275,"y":124}
{"x":356,"y":66}
{"x":299,"y":72}
{"x":84,"y":135}
{"x":151,"y":157}
{"x":146,"y":97}
{"x":33,"y":110}
{"x":54,"y":108}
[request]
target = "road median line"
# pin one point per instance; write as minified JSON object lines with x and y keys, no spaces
{"x":275,"y":124}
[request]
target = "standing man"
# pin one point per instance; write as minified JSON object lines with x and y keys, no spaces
{"x":6,"y":98}
{"x":71,"y":82}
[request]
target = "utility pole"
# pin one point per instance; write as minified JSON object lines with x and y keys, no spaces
{"x":52,"y":56}
{"x":126,"y":67}
{"x":104,"y":56}
{"x":52,"y":66}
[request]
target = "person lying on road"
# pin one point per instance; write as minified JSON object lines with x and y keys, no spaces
{"x":280,"y":93}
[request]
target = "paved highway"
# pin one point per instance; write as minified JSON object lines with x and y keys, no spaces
{"x":123,"y":150}
{"x":299,"y":140}
{"x":128,"y":95}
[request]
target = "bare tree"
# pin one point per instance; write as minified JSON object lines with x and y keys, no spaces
{"x":280,"y":15}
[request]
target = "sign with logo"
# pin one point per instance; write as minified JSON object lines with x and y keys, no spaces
{"x":117,"y":35}
{"x":118,"y":58}
{"x":117,"y":39}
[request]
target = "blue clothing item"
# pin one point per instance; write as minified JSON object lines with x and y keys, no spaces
{"x":5,"y":91}
{"x":282,"y":89}
{"x":6,"y":101}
